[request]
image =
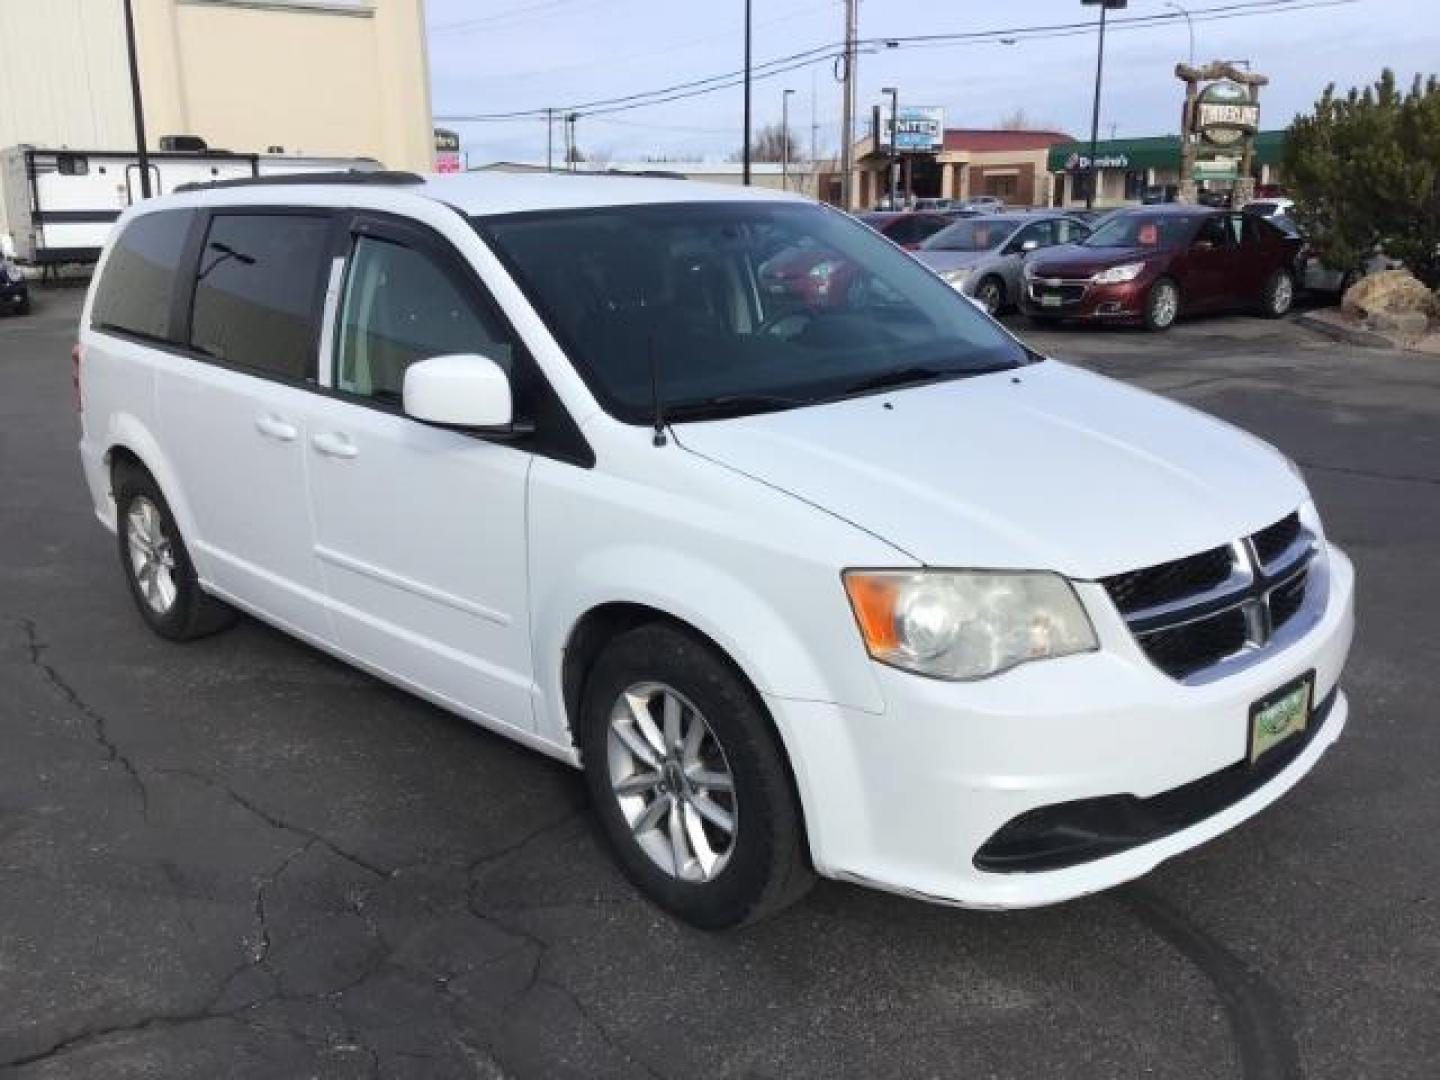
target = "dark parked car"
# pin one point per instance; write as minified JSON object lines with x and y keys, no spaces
{"x":14,"y":292}
{"x":1147,"y":265}
{"x":908,"y":228}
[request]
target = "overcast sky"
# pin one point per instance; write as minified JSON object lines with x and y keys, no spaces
{"x":490,"y":56}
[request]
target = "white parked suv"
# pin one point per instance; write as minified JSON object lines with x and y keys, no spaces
{"x":809,"y":573}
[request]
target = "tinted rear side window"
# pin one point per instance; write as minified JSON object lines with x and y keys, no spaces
{"x":136,"y":289}
{"x":256,"y":291}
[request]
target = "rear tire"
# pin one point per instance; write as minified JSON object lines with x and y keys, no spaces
{"x":157,"y":564}
{"x":1279,"y":295}
{"x":689,"y":780}
{"x":1162,"y":305}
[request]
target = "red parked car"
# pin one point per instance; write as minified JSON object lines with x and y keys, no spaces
{"x":1150,"y":264}
{"x":908,"y":228}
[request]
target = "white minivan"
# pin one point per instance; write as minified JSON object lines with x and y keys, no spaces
{"x":723,"y":498}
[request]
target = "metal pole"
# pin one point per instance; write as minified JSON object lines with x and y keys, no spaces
{"x":747,"y":94}
{"x":785,"y":139}
{"x":1189,"y":26}
{"x":1095,"y":111}
{"x":894,"y":147}
{"x":549,"y":140}
{"x":847,"y":120}
{"x":136,"y":103}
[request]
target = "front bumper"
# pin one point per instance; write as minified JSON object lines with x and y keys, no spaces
{"x":906,"y":800}
{"x":1082,"y":299}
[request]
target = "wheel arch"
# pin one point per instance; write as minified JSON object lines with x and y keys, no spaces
{"x":129,"y":442}
{"x":604,"y":622}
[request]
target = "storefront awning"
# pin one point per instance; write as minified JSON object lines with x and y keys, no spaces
{"x":1157,"y":152}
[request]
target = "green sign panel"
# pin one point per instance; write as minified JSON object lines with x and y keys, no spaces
{"x":1228,"y":169}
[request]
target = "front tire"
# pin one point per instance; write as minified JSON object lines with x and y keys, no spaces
{"x":157,"y":564}
{"x":1279,"y":295}
{"x":1162,"y":305}
{"x":991,"y":293}
{"x":689,"y":780}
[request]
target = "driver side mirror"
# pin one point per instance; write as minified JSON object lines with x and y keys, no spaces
{"x":461,"y":390}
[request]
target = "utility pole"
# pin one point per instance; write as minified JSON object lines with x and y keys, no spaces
{"x":847,"y":120}
{"x":746,"y":145}
{"x":814,"y":132}
{"x":549,"y":140}
{"x":136,"y":104}
{"x":1104,"y":5}
{"x":1189,"y":26}
{"x":894,"y":145}
{"x":573,"y":150}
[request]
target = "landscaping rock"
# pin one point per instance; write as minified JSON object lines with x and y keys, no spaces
{"x":1389,"y":291}
{"x":1405,"y":324}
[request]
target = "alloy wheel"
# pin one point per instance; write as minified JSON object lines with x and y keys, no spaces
{"x":1282,"y":295}
{"x":1165,"y":305}
{"x":152,"y":559}
{"x":990,"y":296}
{"x":672,"y":782}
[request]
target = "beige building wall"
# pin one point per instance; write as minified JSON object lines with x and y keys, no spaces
{"x":319,"y":77}
{"x":337,"y":78}
{"x":63,"y":76}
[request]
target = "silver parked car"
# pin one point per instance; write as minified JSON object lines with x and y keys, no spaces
{"x":981,"y":256}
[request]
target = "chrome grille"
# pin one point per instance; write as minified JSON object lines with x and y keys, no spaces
{"x":1190,"y":614}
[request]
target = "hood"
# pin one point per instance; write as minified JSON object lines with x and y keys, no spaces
{"x":938,"y":259}
{"x":1076,"y":260}
{"x":1046,"y":467}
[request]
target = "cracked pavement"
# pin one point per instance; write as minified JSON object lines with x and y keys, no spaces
{"x":240,"y":858}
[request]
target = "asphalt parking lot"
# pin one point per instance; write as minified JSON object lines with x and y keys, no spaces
{"x":239,"y":858}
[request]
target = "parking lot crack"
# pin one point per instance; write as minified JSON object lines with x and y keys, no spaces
{"x":276,"y":822}
{"x":37,"y":648}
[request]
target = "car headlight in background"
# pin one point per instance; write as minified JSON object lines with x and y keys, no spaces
{"x":967,"y":624}
{"x":957,"y":277}
{"x":1117,"y":275}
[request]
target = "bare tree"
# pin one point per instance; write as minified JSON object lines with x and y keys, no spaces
{"x":1019,"y":120}
{"x":768,"y":144}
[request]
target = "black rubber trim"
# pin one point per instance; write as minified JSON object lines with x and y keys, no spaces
{"x":1068,"y":834}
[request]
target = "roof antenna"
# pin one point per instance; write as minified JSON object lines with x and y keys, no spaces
{"x":659,"y":438}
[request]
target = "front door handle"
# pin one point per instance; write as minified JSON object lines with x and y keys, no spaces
{"x":333,"y":444}
{"x":276,"y":428}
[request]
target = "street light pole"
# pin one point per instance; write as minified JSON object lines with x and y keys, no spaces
{"x":894,"y":145}
{"x":549,"y":140}
{"x":1189,"y":26}
{"x":746,"y":149}
{"x":1105,"y":6}
{"x":847,"y":121}
{"x":785,"y":139}
{"x":136,"y":104}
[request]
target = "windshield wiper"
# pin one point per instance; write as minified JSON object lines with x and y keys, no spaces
{"x":906,"y":376}
{"x":917,"y":376}
{"x":723,"y":405}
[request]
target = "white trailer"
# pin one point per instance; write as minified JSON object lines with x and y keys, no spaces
{"x":57,"y":206}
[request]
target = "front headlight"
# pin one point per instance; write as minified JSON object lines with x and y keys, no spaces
{"x":1117,"y":275}
{"x":966,"y":624}
{"x":956,"y":277}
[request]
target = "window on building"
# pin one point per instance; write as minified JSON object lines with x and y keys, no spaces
{"x":137,"y":284}
{"x":1005,"y":186}
{"x":257,"y":289}
{"x":399,"y":307}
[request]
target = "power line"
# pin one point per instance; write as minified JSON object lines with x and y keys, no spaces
{"x":821,"y":53}
{"x":463,"y":25}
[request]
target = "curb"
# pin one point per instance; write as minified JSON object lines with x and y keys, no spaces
{"x":1363,"y":338}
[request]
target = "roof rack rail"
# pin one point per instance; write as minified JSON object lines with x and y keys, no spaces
{"x":379,"y":177}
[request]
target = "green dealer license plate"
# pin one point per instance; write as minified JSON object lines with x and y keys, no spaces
{"x":1281,"y":715}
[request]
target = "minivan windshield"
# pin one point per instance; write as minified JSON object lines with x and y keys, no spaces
{"x":1142,"y":230}
{"x":738,"y":307}
{"x":971,"y":234}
